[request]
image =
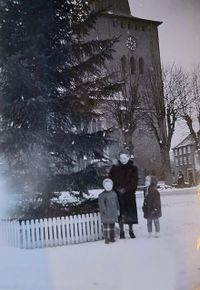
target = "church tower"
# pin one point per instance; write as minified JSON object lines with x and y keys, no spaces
{"x":136,"y":54}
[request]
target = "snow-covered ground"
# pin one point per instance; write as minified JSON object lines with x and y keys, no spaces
{"x":171,"y":262}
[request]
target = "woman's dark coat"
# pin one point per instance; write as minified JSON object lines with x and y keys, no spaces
{"x":152,"y":204}
{"x":125,"y":179}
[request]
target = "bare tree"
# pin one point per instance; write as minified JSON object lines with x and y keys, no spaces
{"x":123,"y":107}
{"x":190,"y":104}
{"x":161,"y":107}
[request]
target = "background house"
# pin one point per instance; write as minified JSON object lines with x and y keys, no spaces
{"x":185,"y":160}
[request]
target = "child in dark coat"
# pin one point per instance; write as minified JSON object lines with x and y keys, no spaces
{"x":152,"y":207}
{"x":109,"y":209}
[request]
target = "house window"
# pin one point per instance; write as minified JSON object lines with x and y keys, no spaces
{"x":189,"y":160}
{"x":181,"y":161}
{"x":184,"y":150}
{"x":185,"y":160}
{"x":188,"y":149}
{"x":123,"y":65}
{"x":175,"y":152}
{"x":141,"y":65}
{"x":180,"y":151}
{"x":176,"y":161}
{"x":132,"y":63}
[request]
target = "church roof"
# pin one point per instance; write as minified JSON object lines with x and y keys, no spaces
{"x":123,"y":15}
{"x":115,"y":6}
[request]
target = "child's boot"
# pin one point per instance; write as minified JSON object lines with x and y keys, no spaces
{"x":112,"y":235}
{"x":122,"y":235}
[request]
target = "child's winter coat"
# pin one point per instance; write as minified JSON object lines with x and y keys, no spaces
{"x":152,"y":204}
{"x":109,"y":207}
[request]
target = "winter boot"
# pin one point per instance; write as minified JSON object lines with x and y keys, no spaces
{"x":112,"y":235}
{"x":131,"y":234}
{"x":122,"y":235}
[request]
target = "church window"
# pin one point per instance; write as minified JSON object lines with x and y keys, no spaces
{"x":123,"y":65}
{"x":123,"y":25}
{"x":129,"y":25}
{"x":132,"y":64}
{"x":115,"y":23}
{"x":94,"y":126}
{"x":98,"y":125}
{"x":141,"y":65}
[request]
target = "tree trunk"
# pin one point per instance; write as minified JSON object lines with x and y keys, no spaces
{"x":46,"y":200}
{"x":165,"y":164}
{"x":128,"y":137}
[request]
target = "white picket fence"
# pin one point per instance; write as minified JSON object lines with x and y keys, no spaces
{"x":51,"y":232}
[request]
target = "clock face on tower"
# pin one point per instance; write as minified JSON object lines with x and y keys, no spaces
{"x":131,"y":43}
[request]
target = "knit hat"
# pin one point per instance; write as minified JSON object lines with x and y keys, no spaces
{"x":107,"y":180}
{"x":124,"y":151}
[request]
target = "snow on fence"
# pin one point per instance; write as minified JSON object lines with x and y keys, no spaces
{"x":53,"y":232}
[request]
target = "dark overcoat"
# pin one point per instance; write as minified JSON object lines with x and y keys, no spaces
{"x":152,"y":204}
{"x":125,"y":180}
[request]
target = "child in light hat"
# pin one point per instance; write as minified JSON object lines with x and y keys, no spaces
{"x":109,"y":209}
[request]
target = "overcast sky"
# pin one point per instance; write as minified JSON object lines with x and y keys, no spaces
{"x":179,"y":35}
{"x":180,"y":32}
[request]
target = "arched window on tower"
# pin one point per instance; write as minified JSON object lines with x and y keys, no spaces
{"x":132,"y":64}
{"x":124,"y":65}
{"x":141,"y":66}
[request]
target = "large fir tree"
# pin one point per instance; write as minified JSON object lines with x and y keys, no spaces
{"x":52,"y":77}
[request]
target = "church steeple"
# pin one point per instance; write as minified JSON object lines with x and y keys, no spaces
{"x":116,"y":6}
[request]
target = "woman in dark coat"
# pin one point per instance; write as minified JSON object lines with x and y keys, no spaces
{"x":125,"y":179}
{"x":152,"y":207}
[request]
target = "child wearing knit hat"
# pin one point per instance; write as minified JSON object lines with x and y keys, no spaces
{"x":109,"y":209}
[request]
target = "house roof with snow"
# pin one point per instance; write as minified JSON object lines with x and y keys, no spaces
{"x":185,"y":142}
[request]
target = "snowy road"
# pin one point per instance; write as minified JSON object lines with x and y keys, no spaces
{"x":171,"y":262}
